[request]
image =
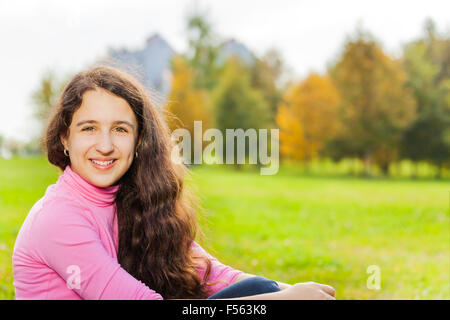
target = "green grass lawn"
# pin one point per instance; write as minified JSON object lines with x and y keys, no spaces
{"x":292,"y":228}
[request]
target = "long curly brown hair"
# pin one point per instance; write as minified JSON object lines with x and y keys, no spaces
{"x":157,"y":218}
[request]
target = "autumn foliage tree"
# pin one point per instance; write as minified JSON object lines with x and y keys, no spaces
{"x":376,"y":105}
{"x":307,"y":117}
{"x":187,"y":103}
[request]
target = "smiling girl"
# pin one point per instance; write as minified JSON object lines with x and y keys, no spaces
{"x":119,"y":223}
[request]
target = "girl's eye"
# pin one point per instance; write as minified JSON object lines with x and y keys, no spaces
{"x":121,"y":129}
{"x":88,"y":129}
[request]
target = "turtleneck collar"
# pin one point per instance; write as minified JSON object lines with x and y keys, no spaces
{"x":102,"y":197}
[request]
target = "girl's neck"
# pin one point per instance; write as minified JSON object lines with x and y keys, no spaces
{"x":95,"y":195}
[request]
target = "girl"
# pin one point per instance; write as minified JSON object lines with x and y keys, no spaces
{"x":119,"y":224}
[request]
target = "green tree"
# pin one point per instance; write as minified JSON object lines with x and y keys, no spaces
{"x":203,"y":49}
{"x":266,"y":75}
{"x":427,"y":64}
{"x":45,"y":96}
{"x":237,"y":104}
{"x":376,"y":106}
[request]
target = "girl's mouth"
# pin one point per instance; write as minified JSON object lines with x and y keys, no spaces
{"x":103,"y":165}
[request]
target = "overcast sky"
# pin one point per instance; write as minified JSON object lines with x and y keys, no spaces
{"x":66,"y":36}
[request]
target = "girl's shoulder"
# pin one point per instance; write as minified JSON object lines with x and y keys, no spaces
{"x":58,"y":197}
{"x":56,"y":207}
{"x":54,"y":216}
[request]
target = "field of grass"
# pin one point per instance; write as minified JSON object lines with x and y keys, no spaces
{"x":293,"y":227}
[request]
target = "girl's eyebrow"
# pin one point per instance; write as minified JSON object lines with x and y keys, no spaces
{"x":80,"y":123}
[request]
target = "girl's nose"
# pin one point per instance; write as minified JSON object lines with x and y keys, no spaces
{"x":105,"y":144}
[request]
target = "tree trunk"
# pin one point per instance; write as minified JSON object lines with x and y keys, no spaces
{"x":415,"y":171}
{"x":367,"y":165}
{"x":355,"y":166}
{"x":385,"y":169}
{"x":439,"y":171}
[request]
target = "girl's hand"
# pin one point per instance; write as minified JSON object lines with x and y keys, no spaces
{"x":308,"y":291}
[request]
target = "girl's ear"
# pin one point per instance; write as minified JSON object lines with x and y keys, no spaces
{"x":138,"y":143}
{"x":63,"y":139}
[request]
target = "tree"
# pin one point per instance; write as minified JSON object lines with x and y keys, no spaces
{"x":203,"y":50}
{"x":376,"y":106}
{"x":45,"y":96}
{"x":1,"y":144}
{"x":427,"y":64}
{"x":307,"y":117}
{"x":237,"y":104}
{"x":186,"y":102}
{"x":266,"y":75}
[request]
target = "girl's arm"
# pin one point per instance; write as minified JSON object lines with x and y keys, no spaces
{"x":67,"y":240}
{"x":298,"y":291}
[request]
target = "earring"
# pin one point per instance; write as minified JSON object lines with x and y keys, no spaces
{"x":66,"y":153}
{"x":136,"y":154}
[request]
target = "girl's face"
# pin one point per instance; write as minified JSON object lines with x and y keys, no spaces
{"x":101,"y":138}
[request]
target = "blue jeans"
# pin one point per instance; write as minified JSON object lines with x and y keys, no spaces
{"x":247,"y":287}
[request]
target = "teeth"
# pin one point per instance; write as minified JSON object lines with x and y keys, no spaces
{"x":103,"y":163}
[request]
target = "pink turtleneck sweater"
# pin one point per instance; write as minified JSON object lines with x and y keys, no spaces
{"x":67,"y":248}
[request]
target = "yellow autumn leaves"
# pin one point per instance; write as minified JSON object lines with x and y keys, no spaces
{"x":307,"y":117}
